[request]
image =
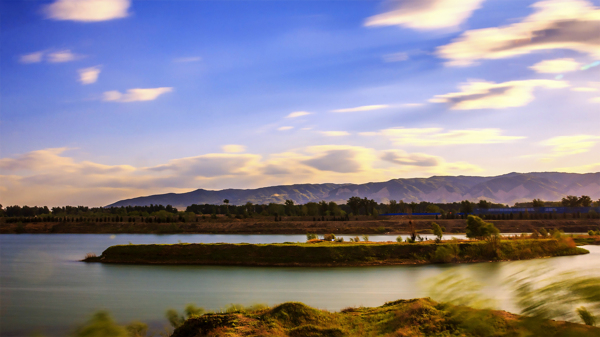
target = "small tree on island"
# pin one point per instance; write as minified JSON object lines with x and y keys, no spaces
{"x":479,"y":229}
{"x":437,"y":231}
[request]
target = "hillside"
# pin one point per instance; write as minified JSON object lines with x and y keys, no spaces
{"x":507,"y":189}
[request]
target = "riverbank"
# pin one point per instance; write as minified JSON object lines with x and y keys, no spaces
{"x":327,"y":254}
{"x":294,"y":225}
{"x":416,"y":317}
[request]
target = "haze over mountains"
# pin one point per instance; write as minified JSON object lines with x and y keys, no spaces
{"x":507,"y":189}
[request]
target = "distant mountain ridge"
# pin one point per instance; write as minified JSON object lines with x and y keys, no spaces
{"x":508,"y":189}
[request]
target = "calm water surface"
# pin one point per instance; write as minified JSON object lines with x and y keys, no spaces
{"x":44,"y":288}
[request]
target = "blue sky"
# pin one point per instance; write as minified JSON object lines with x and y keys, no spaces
{"x":108,"y":99}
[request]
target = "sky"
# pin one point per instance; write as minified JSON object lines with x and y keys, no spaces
{"x":102,"y":100}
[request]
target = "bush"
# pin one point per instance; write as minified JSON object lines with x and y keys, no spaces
{"x":310,"y":236}
{"x":365,"y":237}
{"x":329,"y":237}
{"x":477,"y":228}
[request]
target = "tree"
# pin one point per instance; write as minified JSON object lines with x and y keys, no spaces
{"x":585,"y":201}
{"x":570,"y":201}
{"x":479,"y":229}
{"x":354,"y":203}
{"x":289,"y":207}
{"x":323,"y":207}
{"x":437,"y":230}
{"x":333,"y":208}
{"x":538,"y":203}
{"x":431,"y":208}
{"x":466,"y":207}
{"x":393,"y":206}
{"x":483,"y":204}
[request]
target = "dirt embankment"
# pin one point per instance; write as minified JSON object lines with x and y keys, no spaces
{"x":291,"y":226}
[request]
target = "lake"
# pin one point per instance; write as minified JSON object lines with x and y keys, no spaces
{"x":44,"y":288}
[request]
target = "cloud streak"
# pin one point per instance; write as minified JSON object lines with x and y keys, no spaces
{"x":362,"y":108}
{"x":136,"y":95}
{"x":425,"y":14}
{"x":89,"y":75}
{"x":87,"y":10}
{"x":490,"y":95}
{"x":555,"y":24}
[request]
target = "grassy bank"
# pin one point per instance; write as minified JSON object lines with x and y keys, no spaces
{"x":293,"y":225}
{"x":417,"y":317}
{"x":338,"y":254}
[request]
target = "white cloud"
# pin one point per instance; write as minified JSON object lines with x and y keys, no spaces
{"x":61,"y":56}
{"x":585,"y":89}
{"x":490,"y":95}
{"x":555,"y":24}
{"x":568,"y":145}
{"x":395,"y":57}
{"x":233,"y":148}
{"x":297,"y":114}
{"x":188,"y":59}
{"x":556,"y":66}
{"x":426,"y":14}
{"x":437,"y":136}
{"x":362,"y":108}
{"x":32,"y":58}
{"x":88,"y":10}
{"x":285,"y":128}
{"x":335,"y":133}
{"x":134,"y":95}
{"x":89,"y":75}
{"x":595,"y":100}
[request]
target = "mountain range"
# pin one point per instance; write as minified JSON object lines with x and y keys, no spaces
{"x":506,"y":189}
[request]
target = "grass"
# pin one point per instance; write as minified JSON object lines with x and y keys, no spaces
{"x":338,"y":253}
{"x":416,"y":317}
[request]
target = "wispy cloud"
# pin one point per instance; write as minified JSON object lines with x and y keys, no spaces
{"x":362,"y":108}
{"x":395,"y":57}
{"x":555,"y":24}
{"x":188,"y":59}
{"x":61,"y":56}
{"x":32,"y":57}
{"x":89,"y":75}
{"x":233,"y":148}
{"x":297,"y":114}
{"x":134,"y":95}
{"x":285,"y":128}
{"x":87,"y":10}
{"x":556,"y":66}
{"x":439,"y":137}
{"x":335,"y":133}
{"x":568,"y":145}
{"x":490,"y":95}
{"x":426,"y":14}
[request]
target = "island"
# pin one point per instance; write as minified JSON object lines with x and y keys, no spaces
{"x":321,"y":253}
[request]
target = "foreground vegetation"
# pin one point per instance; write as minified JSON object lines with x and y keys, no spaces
{"x":415,"y":317}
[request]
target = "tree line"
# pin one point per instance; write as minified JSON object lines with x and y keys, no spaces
{"x":354,"y":206}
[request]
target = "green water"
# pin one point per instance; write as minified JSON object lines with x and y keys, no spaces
{"x":43,"y":287}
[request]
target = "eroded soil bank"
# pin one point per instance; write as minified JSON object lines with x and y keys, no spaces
{"x":291,"y":225}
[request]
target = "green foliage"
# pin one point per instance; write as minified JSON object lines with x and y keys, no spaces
{"x":137,"y":329}
{"x":365,"y":237}
{"x":192,"y":310}
{"x":586,"y":316}
{"x":543,"y":232}
{"x":174,"y":318}
{"x":437,"y":230}
{"x":310,"y":236}
{"x":399,"y":239}
{"x":329,"y":237}
{"x":479,"y":229}
{"x":101,"y":325}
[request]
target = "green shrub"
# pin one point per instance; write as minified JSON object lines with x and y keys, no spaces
{"x":310,"y":236}
{"x":365,"y":237}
